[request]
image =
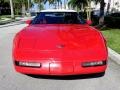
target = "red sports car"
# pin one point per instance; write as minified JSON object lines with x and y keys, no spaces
{"x":59,"y":42}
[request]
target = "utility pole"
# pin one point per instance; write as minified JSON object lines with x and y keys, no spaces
{"x":12,"y":11}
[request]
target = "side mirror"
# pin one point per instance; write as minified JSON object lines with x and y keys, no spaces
{"x":28,"y":21}
{"x":89,"y":22}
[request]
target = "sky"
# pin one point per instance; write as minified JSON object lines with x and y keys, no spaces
{"x":46,"y":6}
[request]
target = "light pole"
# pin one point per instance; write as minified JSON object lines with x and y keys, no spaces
{"x":12,"y":11}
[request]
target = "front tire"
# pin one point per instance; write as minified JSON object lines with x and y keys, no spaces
{"x":100,"y":74}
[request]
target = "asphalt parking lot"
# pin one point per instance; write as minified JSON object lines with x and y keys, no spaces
{"x":11,"y":80}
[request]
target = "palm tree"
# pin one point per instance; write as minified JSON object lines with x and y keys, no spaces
{"x":80,"y":4}
{"x":77,"y":3}
{"x":85,"y":3}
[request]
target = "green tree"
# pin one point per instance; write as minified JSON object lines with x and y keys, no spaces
{"x":21,"y":4}
{"x":86,"y":4}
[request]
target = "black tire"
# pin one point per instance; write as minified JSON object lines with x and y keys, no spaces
{"x":101,"y":74}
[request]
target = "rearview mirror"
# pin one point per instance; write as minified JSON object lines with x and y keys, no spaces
{"x":89,"y":22}
{"x":28,"y":21}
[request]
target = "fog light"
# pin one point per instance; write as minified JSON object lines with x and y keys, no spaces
{"x":28,"y":64}
{"x":93,"y":64}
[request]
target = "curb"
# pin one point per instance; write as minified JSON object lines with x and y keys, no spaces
{"x":6,"y":22}
{"x":18,"y":19}
{"x":114,"y":56}
{"x":12,"y":24}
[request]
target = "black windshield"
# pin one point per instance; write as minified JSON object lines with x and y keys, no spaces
{"x":58,"y":18}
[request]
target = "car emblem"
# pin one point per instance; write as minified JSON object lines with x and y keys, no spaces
{"x":60,"y":46}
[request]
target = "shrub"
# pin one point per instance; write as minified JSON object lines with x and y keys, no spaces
{"x":112,"y":22}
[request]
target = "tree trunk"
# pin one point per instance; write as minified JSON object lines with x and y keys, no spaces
{"x":55,"y":4}
{"x":89,"y":10}
{"x":108,"y":7}
{"x":28,"y":5}
{"x":12,"y":11}
{"x":102,"y":6}
{"x":89,"y":5}
{"x":40,"y":4}
{"x":64,"y":4}
{"x":58,"y":4}
{"x":17,"y":9}
{"x":82,"y":8}
{"x":23,"y":9}
{"x":87,"y":13}
{"x":49,"y":4}
{"x":61,"y":5}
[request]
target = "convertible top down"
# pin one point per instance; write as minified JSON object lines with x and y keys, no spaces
{"x":59,"y":42}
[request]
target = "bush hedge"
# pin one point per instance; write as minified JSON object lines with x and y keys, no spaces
{"x":112,"y":22}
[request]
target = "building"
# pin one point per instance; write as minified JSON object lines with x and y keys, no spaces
{"x":114,"y":6}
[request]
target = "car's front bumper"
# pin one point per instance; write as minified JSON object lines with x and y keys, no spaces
{"x":60,"y":69}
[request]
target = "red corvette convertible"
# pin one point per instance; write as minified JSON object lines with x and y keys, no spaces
{"x":59,"y":42}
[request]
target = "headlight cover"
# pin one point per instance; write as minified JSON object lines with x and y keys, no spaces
{"x":28,"y":64}
{"x":93,"y":64}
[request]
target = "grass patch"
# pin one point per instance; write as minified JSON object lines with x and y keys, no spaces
{"x":9,"y":16}
{"x":113,"y":38}
{"x":5,"y":19}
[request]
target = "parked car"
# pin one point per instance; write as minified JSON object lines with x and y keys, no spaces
{"x":112,"y":20}
{"x":59,"y":42}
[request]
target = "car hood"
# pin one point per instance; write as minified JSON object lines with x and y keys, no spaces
{"x":56,"y":40}
{"x":46,"y":37}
